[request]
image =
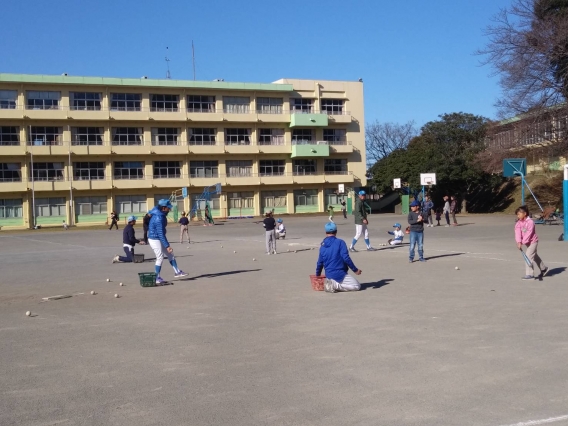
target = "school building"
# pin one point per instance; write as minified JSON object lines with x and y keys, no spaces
{"x":79,"y":147}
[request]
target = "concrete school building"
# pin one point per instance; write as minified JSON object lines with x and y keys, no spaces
{"x":80,"y":147}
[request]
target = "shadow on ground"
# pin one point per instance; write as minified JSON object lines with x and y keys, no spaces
{"x":444,"y":255}
{"x":376,"y":284}
{"x":220,"y":274}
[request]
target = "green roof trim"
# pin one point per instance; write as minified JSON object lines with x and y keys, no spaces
{"x":142,"y":82}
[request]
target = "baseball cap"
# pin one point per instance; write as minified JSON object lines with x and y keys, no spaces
{"x":165,"y":203}
{"x":330,"y":227}
{"x":414,"y":204}
{"x":362,"y":193}
{"x":131,"y":218}
{"x":279,"y":221}
{"x":397,"y":225}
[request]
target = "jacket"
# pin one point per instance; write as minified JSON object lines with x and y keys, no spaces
{"x":128,"y":236}
{"x":525,"y":232}
{"x":157,"y":228}
{"x":447,"y":207}
{"x":415,"y":226}
{"x":453,"y":206}
{"x":427,"y":206}
{"x":359,"y":212}
{"x":398,"y":235}
{"x":334,"y":258}
{"x":269,"y":224}
{"x":146,"y":222}
{"x":183,"y":221}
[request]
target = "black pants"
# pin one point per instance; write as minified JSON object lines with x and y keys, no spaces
{"x":344,"y":214}
{"x":129,"y":255}
{"x":146,"y":235}
{"x":447,"y":214}
{"x":113,"y":223}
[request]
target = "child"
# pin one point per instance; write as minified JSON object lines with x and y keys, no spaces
{"x":330,"y":212}
{"x":280,"y":230}
{"x":114,"y":220}
{"x":184,"y":228}
{"x":208,"y":219}
{"x":398,"y":235}
{"x":65,"y":226}
{"x":525,"y":234}
{"x":344,"y":209}
{"x":129,"y":240}
{"x":438,"y":215}
{"x":334,"y":258}
{"x":270,"y":235}
{"x":416,"y":223}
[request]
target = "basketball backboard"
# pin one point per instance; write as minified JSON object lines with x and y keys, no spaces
{"x":514,"y":167}
{"x":427,"y":179}
{"x":341,"y":188}
{"x":396,"y":183}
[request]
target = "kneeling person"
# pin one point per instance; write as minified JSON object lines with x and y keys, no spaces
{"x":334,"y":258}
{"x":129,"y":240}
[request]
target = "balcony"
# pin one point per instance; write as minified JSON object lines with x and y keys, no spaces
{"x":307,"y":177}
{"x":339,"y":177}
{"x":206,"y":148}
{"x":241,"y":147}
{"x":204,"y":114}
{"x":171,"y":148}
{"x":276,"y":178}
{"x":15,"y":112}
{"x":128,"y":113}
{"x":170,"y":182}
{"x":339,"y":117}
{"x":237,"y":115}
{"x":203,"y":181}
{"x":81,"y":185}
{"x":12,"y":186}
{"x":87,"y":113}
{"x":48,"y":113}
{"x":277,"y":116}
{"x":310,"y":149}
{"x":48,"y":148}
{"x":166,"y":114}
{"x":278,"y":146}
{"x":308,"y":119}
{"x":78,"y":148}
{"x":49,"y":185}
{"x":340,"y":147}
{"x":241,"y":180}
{"x":18,"y":149}
{"x":130,"y":148}
{"x":131,"y":183}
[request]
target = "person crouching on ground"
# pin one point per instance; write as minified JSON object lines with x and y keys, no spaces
{"x":416,"y":222}
{"x":269,"y":225}
{"x":158,"y":241}
{"x":280,"y":230}
{"x":397,"y":234}
{"x":525,"y":233}
{"x":129,"y":240}
{"x":334,"y":258}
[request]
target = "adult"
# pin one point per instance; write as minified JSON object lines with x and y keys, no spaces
{"x":344,"y":209}
{"x":427,"y":207}
{"x":183,"y":228}
{"x":270,"y":234}
{"x":454,"y":209}
{"x":129,"y":240}
{"x":446,"y":210}
{"x":113,"y":220}
{"x":334,"y":258}
{"x":361,"y":222}
{"x":146,"y":225}
{"x":158,"y":241}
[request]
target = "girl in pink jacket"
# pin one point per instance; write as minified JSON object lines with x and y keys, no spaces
{"x":525,"y":234}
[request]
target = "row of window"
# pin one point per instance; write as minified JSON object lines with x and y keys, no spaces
{"x":49,"y":135}
{"x":95,"y":170}
{"x":92,"y":101}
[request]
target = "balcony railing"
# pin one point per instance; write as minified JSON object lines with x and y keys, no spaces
{"x":308,"y":142}
{"x":121,"y":177}
{"x":38,"y":142}
{"x":89,"y":143}
{"x":12,"y":179}
{"x":338,"y":142}
{"x":128,"y":143}
{"x":43,"y":107}
{"x":10,"y":143}
{"x":170,"y":176}
{"x":167,"y":143}
{"x":201,"y":143}
{"x":85,"y":108}
{"x":157,"y":109}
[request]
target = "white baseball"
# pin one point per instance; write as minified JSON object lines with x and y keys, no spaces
{"x":234,"y":251}
{"x":108,"y":280}
{"x":295,"y":251}
{"x":457,"y":268}
{"x":116,"y":295}
{"x":28,"y":313}
{"x":253,"y":258}
{"x":121,"y":284}
{"x":92,"y":292}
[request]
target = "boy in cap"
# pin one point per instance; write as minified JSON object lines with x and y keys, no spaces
{"x":280,"y":230}
{"x":158,"y":241}
{"x":397,"y":234}
{"x":184,"y":228}
{"x":361,"y":222}
{"x":129,"y":240}
{"x":334,"y":258}
{"x":416,"y":223}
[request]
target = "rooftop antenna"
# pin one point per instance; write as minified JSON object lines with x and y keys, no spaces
{"x":168,"y":75}
{"x":193,"y":58}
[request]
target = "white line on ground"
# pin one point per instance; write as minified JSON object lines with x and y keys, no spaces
{"x":540,"y":422}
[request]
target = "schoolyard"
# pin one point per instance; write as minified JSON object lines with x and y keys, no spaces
{"x":247,"y":342}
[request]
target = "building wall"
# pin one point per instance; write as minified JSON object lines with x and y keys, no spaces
{"x":59,"y":189}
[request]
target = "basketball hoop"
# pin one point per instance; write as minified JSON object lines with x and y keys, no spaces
{"x":429,"y":182}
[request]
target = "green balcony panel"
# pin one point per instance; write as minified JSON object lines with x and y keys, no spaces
{"x":308,"y":120}
{"x":310,"y":150}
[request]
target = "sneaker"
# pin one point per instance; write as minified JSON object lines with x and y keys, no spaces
{"x":160,"y":281}
{"x":268,"y":253}
{"x":410,"y":260}
{"x":352,"y":249}
{"x":544,"y":272}
{"x":422,"y":260}
{"x":328,"y":286}
{"x":274,"y":252}
{"x":180,"y":274}
{"x":371,"y":248}
{"x":527,"y":278}
{"x":115,"y":259}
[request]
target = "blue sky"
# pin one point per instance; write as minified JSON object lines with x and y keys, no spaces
{"x":416,"y":57}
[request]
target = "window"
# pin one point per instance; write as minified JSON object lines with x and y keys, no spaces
{"x":9,"y":135}
{"x":269,"y":105}
{"x":86,"y":135}
{"x":236,"y":105}
{"x":46,"y":171}
{"x":304,"y":167}
{"x":8,"y":99}
{"x":85,"y":101}
{"x":271,"y":137}
{"x":331,"y":197}
{"x":129,"y":170}
{"x":46,"y":207}
{"x":127,"y":136}
{"x":179,"y":203}
{"x":10,"y":172}
{"x":301,"y":105}
{"x":200,"y":103}
{"x":273,"y":199}
{"x":164,"y":103}
{"x":204,"y":169}
{"x":167,"y":169}
{"x":43,"y":100}
{"x":202,"y":136}
{"x":237,"y":136}
{"x":125,"y":102}
{"x":332,"y":106}
{"x":89,"y":170}
{"x":272,"y":167}
{"x":11,"y":208}
{"x":335,"y":166}
{"x":45,"y":135}
{"x":200,"y":203}
{"x":164,"y":136}
{"x":335,"y":136}
{"x":306,"y":197}
{"x":302,"y":136}
{"x":126,"y":204}
{"x":241,"y":200}
{"x":91,"y":205}
{"x":239,"y":168}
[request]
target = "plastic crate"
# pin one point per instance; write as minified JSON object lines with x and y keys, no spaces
{"x":317,"y":282}
{"x":147,"y":279}
{"x":138,"y":258}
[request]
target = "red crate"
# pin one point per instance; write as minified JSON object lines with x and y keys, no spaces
{"x":317,"y":282}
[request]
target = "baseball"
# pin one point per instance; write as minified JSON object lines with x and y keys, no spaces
{"x":116,"y":295}
{"x":295,"y":251}
{"x":92,"y":293}
{"x":234,"y":251}
{"x":221,"y":246}
{"x":28,"y":313}
{"x":457,"y":268}
{"x":253,"y":259}
{"x":187,"y":246}
{"x":108,"y":280}
{"x":121,"y":284}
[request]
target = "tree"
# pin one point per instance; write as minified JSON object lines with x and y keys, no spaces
{"x":381,"y":139}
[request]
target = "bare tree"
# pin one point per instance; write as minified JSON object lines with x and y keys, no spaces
{"x":383,"y":138}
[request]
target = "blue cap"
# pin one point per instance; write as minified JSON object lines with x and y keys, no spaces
{"x":362,"y":193}
{"x":131,"y":218}
{"x":397,"y":225}
{"x":279,"y":221}
{"x":165,"y":203}
{"x":415,"y":204}
{"x":330,"y":227}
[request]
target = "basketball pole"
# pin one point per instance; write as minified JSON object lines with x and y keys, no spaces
{"x":565,"y":201}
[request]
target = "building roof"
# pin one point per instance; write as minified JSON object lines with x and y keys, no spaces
{"x":142,"y":82}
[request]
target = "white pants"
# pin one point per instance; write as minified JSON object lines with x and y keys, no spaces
{"x":159,"y":251}
{"x":359,"y":229}
{"x":270,"y":239}
{"x":331,"y":218}
{"x":280,"y":235}
{"x":349,"y":283}
{"x":395,"y":242}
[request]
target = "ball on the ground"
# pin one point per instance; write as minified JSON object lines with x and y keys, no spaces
{"x":234,"y":251}
{"x":253,"y":259}
{"x":221,"y":246}
{"x":116,"y":295}
{"x":108,"y":280}
{"x":92,"y":293}
{"x":121,"y":284}
{"x":295,"y":251}
{"x":457,"y":268}
{"x":28,"y":313}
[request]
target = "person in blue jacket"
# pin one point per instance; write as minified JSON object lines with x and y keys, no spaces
{"x":158,"y":241}
{"x":334,"y":258}
{"x":129,"y":240}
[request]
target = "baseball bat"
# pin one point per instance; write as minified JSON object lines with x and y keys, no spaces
{"x":527,"y":260}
